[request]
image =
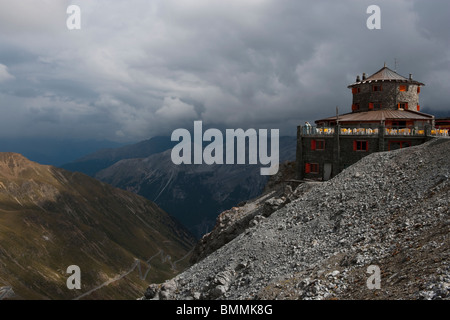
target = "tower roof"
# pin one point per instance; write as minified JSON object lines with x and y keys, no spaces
{"x":386,"y":74}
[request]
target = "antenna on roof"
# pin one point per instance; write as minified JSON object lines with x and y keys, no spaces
{"x":337,"y":114}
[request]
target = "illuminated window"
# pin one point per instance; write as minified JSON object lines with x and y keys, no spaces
{"x":402,"y":88}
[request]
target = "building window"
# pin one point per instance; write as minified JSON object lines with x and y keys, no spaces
{"x":320,"y":145}
{"x":394,"y":145}
{"x":317,"y":144}
{"x":360,"y":145}
{"x":399,"y":124}
{"x":374,"y":105}
{"x":377,"y":87}
{"x":403,"y":105}
{"x":311,"y":168}
{"x":418,"y":89}
{"x":402,"y":88}
{"x":356,"y":90}
{"x":418,"y":108}
{"x":355,"y":106}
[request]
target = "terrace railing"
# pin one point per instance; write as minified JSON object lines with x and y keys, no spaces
{"x":411,"y":131}
{"x":440,"y":132}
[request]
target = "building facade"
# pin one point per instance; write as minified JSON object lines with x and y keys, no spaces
{"x":385,"y":115}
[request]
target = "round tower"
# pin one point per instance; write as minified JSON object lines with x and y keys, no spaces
{"x":385,"y":90}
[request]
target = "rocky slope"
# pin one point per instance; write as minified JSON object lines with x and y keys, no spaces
{"x":390,"y":210}
{"x":231,"y":223}
{"x":51,"y":218}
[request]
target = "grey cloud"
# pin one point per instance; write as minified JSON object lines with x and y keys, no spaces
{"x":141,"y":68}
{"x":4,"y":73}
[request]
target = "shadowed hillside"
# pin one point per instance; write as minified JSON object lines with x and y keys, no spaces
{"x":51,"y":218}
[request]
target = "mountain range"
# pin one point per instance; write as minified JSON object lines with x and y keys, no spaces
{"x":53,"y":151}
{"x":193,"y":194}
{"x":96,"y":161}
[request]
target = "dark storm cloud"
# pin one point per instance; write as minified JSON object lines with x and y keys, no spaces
{"x":141,"y":68}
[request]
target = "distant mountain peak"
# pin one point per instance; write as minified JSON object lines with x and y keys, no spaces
{"x":14,"y":164}
{"x":8,"y":156}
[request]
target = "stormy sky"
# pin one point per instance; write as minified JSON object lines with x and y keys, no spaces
{"x":140,"y":68}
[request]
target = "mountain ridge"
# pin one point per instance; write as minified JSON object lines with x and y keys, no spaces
{"x":53,"y":151}
{"x":217,"y":187}
{"x":94,"y":162}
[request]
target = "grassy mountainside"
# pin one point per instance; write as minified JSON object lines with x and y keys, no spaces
{"x":51,"y":218}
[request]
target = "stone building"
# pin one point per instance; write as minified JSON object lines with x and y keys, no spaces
{"x":385,"y":115}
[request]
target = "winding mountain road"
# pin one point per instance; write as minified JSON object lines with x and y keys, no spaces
{"x":5,"y":292}
{"x":136,"y":264}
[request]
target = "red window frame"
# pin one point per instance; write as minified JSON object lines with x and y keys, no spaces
{"x":307,"y":168}
{"x":317,"y":145}
{"x":358,"y":145}
{"x":402,"y":88}
{"x":320,"y":145}
{"x":370,"y":105}
{"x":312,"y":168}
